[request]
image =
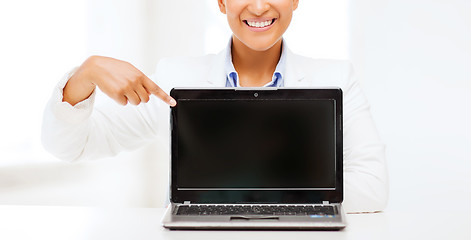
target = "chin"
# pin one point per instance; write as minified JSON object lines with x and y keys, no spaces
{"x":261,"y":44}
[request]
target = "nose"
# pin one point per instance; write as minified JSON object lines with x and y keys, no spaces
{"x":258,"y":7}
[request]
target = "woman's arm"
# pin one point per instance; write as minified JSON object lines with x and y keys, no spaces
{"x":366,"y":183}
{"x":75,"y":128}
{"x":120,"y":80}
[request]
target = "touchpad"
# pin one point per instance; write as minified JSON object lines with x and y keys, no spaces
{"x":254,"y":218}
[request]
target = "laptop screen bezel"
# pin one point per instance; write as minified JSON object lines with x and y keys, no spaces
{"x":258,"y":196}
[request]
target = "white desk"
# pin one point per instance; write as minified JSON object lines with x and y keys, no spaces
{"x":69,"y":223}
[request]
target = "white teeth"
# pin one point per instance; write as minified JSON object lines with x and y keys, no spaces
{"x":259,"y":24}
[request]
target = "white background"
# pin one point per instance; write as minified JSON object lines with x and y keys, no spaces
{"x":413,"y":59}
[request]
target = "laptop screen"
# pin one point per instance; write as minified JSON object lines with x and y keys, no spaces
{"x":255,"y":145}
{"x":248,"y":144}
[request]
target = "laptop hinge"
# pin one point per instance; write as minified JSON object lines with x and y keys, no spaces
{"x":325,"y":202}
{"x":186,"y":202}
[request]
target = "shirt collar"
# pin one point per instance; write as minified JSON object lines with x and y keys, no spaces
{"x":232,"y":77}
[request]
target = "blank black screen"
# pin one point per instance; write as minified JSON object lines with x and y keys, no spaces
{"x":255,"y":144}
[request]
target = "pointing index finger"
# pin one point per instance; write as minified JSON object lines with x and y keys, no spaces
{"x":154,"y":89}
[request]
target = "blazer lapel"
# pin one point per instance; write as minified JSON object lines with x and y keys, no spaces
{"x":216,"y":75}
{"x":294,"y":75}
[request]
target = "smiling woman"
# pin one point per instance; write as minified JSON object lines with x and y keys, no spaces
{"x":77,"y":126}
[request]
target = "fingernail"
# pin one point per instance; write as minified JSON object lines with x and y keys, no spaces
{"x":172,"y":102}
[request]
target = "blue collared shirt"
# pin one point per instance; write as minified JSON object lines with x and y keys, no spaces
{"x":232,"y":77}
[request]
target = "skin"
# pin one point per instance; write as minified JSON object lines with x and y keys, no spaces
{"x":255,"y":55}
{"x":120,"y":80}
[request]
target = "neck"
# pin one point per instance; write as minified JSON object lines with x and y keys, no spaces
{"x":255,"y":68}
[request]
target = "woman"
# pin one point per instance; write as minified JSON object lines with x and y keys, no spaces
{"x":256,"y":56}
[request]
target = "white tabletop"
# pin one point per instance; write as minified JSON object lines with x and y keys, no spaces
{"x":44,"y":222}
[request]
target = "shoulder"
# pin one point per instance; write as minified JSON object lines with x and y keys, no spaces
{"x":321,"y":65}
{"x":320,"y":72}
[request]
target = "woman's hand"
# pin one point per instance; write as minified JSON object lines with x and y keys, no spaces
{"x":120,"y":80}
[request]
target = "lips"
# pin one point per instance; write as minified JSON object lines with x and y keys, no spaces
{"x":259,"y":24}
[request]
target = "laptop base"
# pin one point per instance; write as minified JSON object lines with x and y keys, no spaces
{"x":253,"y":222}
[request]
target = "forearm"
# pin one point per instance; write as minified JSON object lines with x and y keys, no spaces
{"x":63,"y":140}
{"x":365,"y":168}
{"x":366,"y":179}
{"x":366,"y":184}
{"x":109,"y":130}
{"x":90,"y":131}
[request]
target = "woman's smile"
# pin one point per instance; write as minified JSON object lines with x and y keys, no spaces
{"x":259,"y":24}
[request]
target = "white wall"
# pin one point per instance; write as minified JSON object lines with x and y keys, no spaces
{"x":414,"y":58}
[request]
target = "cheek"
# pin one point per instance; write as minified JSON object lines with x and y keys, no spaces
{"x":235,"y":23}
{"x":233,"y":11}
{"x":285,"y":20}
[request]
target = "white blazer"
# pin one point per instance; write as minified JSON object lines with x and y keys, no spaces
{"x":93,"y":129}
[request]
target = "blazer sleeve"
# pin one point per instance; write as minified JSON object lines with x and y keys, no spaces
{"x":98,"y":127}
{"x":365,"y":172}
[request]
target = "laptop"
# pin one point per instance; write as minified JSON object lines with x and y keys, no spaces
{"x":256,"y":158}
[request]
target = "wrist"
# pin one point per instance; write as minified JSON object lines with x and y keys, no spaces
{"x":78,"y":87}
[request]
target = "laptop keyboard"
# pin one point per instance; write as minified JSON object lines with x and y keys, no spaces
{"x":277,"y":210}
